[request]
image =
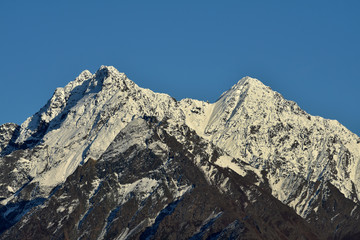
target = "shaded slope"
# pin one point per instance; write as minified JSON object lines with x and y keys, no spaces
{"x":164,"y":186}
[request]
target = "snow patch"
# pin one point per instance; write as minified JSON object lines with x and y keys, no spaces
{"x":227,"y":162}
{"x":142,"y":189}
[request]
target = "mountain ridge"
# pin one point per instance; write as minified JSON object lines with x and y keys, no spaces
{"x":297,"y":158}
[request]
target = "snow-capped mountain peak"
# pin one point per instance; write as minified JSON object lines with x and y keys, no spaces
{"x":250,"y":132}
{"x":248,"y":88}
{"x":249,"y":80}
{"x":87,"y":114}
{"x":111,"y":80}
{"x":106,"y":72}
{"x":84,"y":75}
{"x":248,"y":97}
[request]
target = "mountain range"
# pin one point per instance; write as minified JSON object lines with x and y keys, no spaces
{"x":107,"y":159}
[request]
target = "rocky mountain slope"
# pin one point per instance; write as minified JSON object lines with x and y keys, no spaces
{"x":107,"y":159}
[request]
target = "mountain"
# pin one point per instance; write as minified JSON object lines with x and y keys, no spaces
{"x":107,"y":159}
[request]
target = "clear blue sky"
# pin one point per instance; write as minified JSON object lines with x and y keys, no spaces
{"x":309,"y":51}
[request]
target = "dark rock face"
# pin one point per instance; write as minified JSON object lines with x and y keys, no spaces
{"x":9,"y":132}
{"x":335,"y":213}
{"x":159,"y":192}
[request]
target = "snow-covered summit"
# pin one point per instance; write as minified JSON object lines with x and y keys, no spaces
{"x":112,"y":80}
{"x":247,"y":80}
{"x":108,"y":70}
{"x":244,"y":84}
{"x":252,"y":122}
{"x":107,"y":80}
{"x":84,"y":75}
{"x":85,"y":116}
{"x":105,"y":72}
{"x":249,"y":121}
{"x":253,"y":132}
{"x":248,"y":97}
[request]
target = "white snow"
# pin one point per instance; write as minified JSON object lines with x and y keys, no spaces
{"x":197,"y":114}
{"x":10,"y":189}
{"x":249,"y":122}
{"x":97,"y":114}
{"x":226,"y":162}
{"x":142,"y":188}
{"x":60,"y":209}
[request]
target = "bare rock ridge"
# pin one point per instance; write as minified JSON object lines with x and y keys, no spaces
{"x":105,"y":159}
